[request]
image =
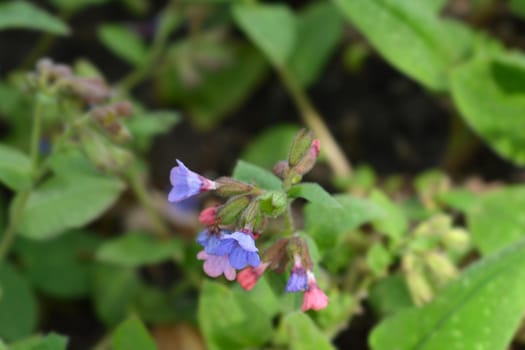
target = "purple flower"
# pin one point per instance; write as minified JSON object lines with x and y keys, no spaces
{"x":241,"y":249}
{"x":298,"y":282}
{"x":186,"y":183}
{"x":215,"y":265}
{"x":210,"y":240}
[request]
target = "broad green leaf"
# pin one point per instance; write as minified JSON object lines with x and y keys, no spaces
{"x":314,"y":194}
{"x":270,"y":146}
{"x":253,"y":174}
{"x":394,"y":223}
{"x":217,"y":94}
{"x":132,"y":335}
{"x":271,"y":27}
{"x":266,"y":298}
{"x":60,"y":267}
{"x":491,"y":98}
{"x":460,"y":199}
{"x":65,"y":201}
{"x":328,"y":225}
{"x":480,"y":310}
{"x":302,"y":333}
{"x":314,"y":46}
{"x":232,"y":321}
{"x":52,"y":341}
{"x":18,"y":309}
{"x":114,"y":289}
{"x":136,"y":249}
{"x":390,"y":295}
{"x":498,"y":219}
{"x":15,"y":168}
{"x":123,"y":42}
{"x":144,"y":126}
{"x":24,"y":15}
{"x":410,"y":37}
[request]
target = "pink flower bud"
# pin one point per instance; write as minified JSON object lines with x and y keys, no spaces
{"x":208,"y":216}
{"x":248,"y":277}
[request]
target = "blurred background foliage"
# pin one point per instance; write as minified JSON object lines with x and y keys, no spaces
{"x":420,"y":108}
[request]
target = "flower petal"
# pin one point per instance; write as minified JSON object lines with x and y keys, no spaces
{"x":225,"y":246}
{"x":245,"y":241}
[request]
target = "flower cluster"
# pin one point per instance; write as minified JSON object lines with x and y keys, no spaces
{"x":228,"y":241}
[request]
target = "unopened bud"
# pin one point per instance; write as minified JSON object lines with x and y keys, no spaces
{"x":252,"y":217}
{"x":227,"y":187}
{"x":435,"y":226}
{"x":208,"y":216}
{"x":104,"y":155}
{"x":441,"y":267}
{"x":308,"y":161}
{"x":419,"y":287}
{"x":277,"y":255}
{"x":92,"y":90}
{"x":300,"y":145}
{"x":281,"y":169}
{"x":456,"y":239}
{"x":230,"y":211}
{"x":106,"y":117}
{"x":123,"y":108}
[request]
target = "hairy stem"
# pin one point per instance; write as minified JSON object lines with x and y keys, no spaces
{"x":139,"y":189}
{"x":23,"y":195}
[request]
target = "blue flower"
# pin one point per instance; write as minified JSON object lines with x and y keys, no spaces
{"x":241,"y":248}
{"x":298,"y":281}
{"x":187,"y":183}
{"x":210,"y":240}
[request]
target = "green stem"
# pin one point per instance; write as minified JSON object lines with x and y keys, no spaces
{"x":289,"y":221}
{"x":23,"y":195}
{"x":314,"y":121}
{"x":157,"y":48}
{"x":10,"y":232}
{"x":139,"y":189}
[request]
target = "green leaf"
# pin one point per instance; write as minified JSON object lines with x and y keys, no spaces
{"x":313,"y":193}
{"x":253,"y":174}
{"x":481,"y":310}
{"x":302,"y":333}
{"x":60,"y":267}
{"x":67,"y":200}
{"x":314,"y":47}
{"x":52,"y":341}
{"x":270,"y":146}
{"x":327,"y":225}
{"x":132,"y":335}
{"x":394,"y":223}
{"x":489,"y":94}
{"x":390,"y":295}
{"x":217,"y":94}
{"x":24,"y":15}
{"x":232,"y":321}
{"x":409,"y":35}
{"x":498,"y":219}
{"x":146,"y":125}
{"x":114,"y":289}
{"x":18,"y":312}
{"x":271,"y":27}
{"x":15,"y":168}
{"x":137,"y":248}
{"x":124,"y":43}
{"x":460,"y":199}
